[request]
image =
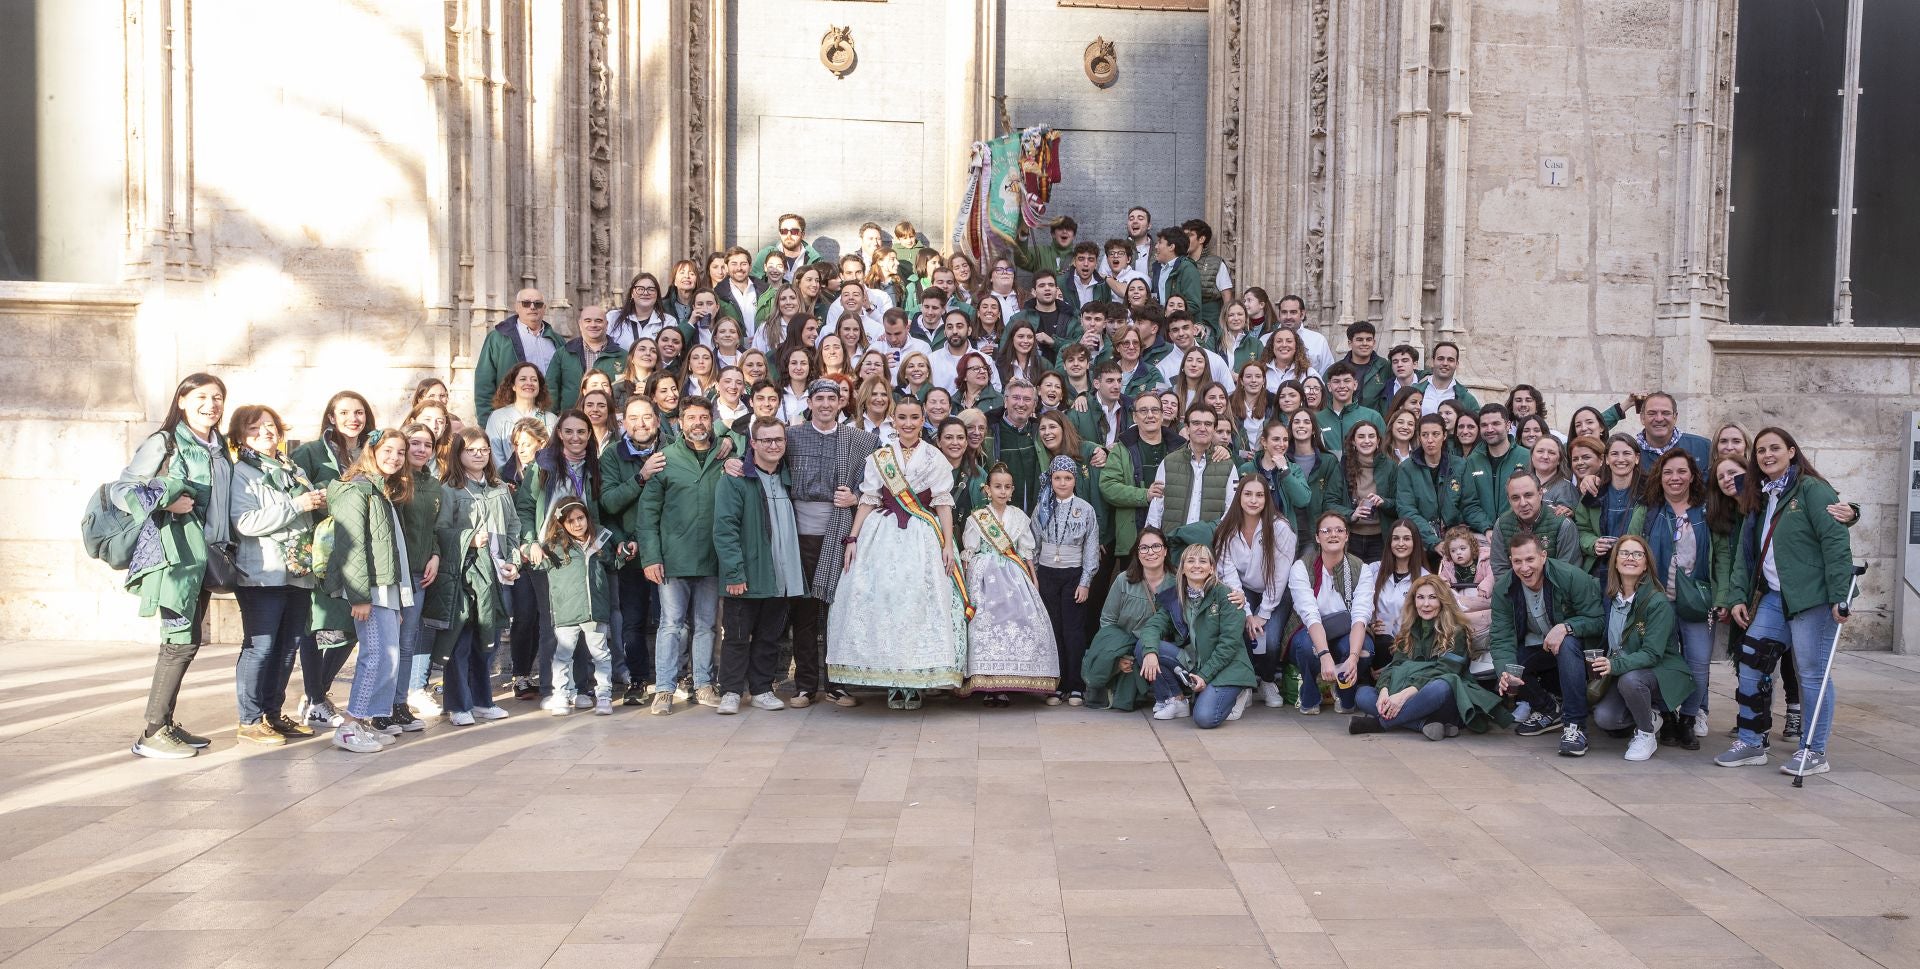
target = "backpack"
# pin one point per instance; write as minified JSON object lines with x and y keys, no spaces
{"x":107,"y":531}
{"x":322,"y":548}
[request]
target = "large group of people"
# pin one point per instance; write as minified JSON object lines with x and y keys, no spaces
{"x":1091,"y":474}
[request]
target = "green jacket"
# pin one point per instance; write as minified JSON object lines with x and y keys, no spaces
{"x":1127,"y":611}
{"x":1070,"y":293}
{"x":682,"y":542}
{"x":1334,"y":427}
{"x":1039,"y":251}
{"x":419,"y":519}
{"x":503,"y":348}
{"x":1215,"y":635}
{"x":1184,"y":281}
{"x":621,"y":484}
{"x":1123,"y":487}
{"x":578,"y":584}
{"x":468,"y":590}
{"x":1483,"y":485}
{"x":1291,"y":489}
{"x":1573,"y":597}
{"x":1812,"y":552}
{"x":1416,"y":666}
{"x":1428,"y":497}
{"x":1460,"y":392}
{"x":319,"y":461}
{"x":1326,"y":485}
{"x":610,"y":360}
{"x":1559,"y":538}
{"x":1374,"y":376}
{"x":760,"y":258}
{"x":365,"y":556}
{"x":1386,"y":483}
{"x":1649,"y":642}
{"x":533,"y":501}
{"x":743,"y":535}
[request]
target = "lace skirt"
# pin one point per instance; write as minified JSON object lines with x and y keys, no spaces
{"x":1010,"y":640}
{"x":897,"y":620}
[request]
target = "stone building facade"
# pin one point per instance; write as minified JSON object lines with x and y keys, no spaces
{"x":302,"y":197}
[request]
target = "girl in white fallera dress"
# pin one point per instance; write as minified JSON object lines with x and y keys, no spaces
{"x":1010,"y":647}
{"x":900,"y":613}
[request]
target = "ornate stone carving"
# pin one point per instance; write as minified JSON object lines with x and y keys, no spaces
{"x":1100,"y":63}
{"x":599,"y":153}
{"x":1318,"y":91}
{"x":694,"y":192}
{"x":1227,"y":233}
{"x":836,"y":50}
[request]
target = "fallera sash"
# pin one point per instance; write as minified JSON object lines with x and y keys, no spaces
{"x":895,"y":478}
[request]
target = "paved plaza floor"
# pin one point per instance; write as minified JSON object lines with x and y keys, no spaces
{"x":949,"y":837}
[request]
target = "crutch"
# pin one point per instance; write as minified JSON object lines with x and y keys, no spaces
{"x":1846,"y":609}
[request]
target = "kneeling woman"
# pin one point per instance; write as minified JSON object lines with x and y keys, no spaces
{"x":1114,"y":656}
{"x":1643,"y":665}
{"x":1197,"y":617}
{"x":1427,"y":687}
{"x":1333,"y":607}
{"x":900,"y":616}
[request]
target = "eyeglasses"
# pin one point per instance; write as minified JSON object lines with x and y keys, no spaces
{"x":1630,"y":553}
{"x":997,"y":270}
{"x":1149,"y":548}
{"x":770,"y":440}
{"x":538,"y":304}
{"x":644,"y":288}
{"x":1332,"y":529}
{"x":481,"y":449}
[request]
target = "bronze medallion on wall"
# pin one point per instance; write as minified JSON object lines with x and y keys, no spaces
{"x":1103,"y":67}
{"x":836,"y":50}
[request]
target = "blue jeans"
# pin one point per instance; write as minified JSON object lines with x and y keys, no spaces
{"x":378,"y":666}
{"x":1811,"y":634}
{"x":1433,"y":701}
{"x":569,"y":639}
{"x":1309,"y":665}
{"x":410,"y":653}
{"x":272,"y":620}
{"x":1165,"y":685}
{"x":1570,"y":668}
{"x":1211,"y":705}
{"x":465,"y":681}
{"x":686,"y":603}
{"x":1697,"y":647}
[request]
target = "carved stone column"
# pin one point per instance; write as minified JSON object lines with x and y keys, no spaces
{"x":1694,"y":299}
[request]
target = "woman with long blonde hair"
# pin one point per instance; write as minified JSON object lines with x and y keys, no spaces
{"x":1426,"y":687}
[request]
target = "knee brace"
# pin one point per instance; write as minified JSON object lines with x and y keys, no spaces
{"x":1756,"y":706}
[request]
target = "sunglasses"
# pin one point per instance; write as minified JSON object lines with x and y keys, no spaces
{"x":789,"y":232}
{"x":538,"y":304}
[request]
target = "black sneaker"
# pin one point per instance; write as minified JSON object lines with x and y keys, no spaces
{"x":636,"y":696}
{"x":1794,"y":725}
{"x":1540,"y":722}
{"x":385,"y":725}
{"x":525,"y":689}
{"x":192,"y":740}
{"x":1685,"y":733}
{"x":405,"y":720}
{"x":1364,"y":724}
{"x":1573,"y":741}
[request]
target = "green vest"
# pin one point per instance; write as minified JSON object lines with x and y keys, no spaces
{"x":1209,"y":276}
{"x":1179,"y":490}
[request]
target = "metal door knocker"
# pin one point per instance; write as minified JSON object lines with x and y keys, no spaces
{"x":1103,"y":67}
{"x":836,"y":50}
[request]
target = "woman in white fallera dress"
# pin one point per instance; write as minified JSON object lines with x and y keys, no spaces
{"x":1010,"y":647}
{"x":900,"y":613}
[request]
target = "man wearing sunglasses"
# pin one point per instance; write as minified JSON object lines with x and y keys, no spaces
{"x":525,"y":335}
{"x":791,"y":244}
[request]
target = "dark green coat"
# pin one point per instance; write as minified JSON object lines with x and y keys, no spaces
{"x":1334,"y":427}
{"x":319,"y":461}
{"x":1812,"y":551}
{"x":1374,"y":376}
{"x":621,"y":485}
{"x":1326,"y":485}
{"x":610,"y":361}
{"x":468,"y":590}
{"x":1215,"y":635}
{"x":1184,"y":281}
{"x":1573,"y":598}
{"x":1483,"y":485}
{"x":533,"y":501}
{"x":1386,"y":483}
{"x":419,"y":518}
{"x":1417,"y":665}
{"x":365,"y":556}
{"x":1649,"y":642}
{"x":681,"y":541}
{"x":1428,"y":497}
{"x":1126,"y":613}
{"x":743,"y":535}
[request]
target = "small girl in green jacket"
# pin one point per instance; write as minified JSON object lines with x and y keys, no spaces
{"x":578,"y":565}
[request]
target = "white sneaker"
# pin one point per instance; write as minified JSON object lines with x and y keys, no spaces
{"x":461,"y":718}
{"x":767,"y":701}
{"x":1159,"y":705}
{"x":1164,"y":710}
{"x":1521,"y":711}
{"x":583,"y":702}
{"x":603,"y":707}
{"x":557,"y":705}
{"x":350,"y":738}
{"x":423,"y":704}
{"x":1270,"y":695}
{"x":1642,"y":746}
{"x":1240,"y":704}
{"x":322,"y":713}
{"x":1176,"y":708}
{"x":1700,"y":725}
{"x":728,"y":705}
{"x":490,"y":713}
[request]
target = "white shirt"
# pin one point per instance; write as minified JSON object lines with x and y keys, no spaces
{"x":747,"y":300}
{"x":625,"y":330}
{"x":869,"y":318}
{"x":1390,"y":605}
{"x":1319,"y":353}
{"x":1767,"y":566}
{"x":1084,"y":292}
{"x":895,"y":355}
{"x":1009,"y":303}
{"x":1113,"y":413}
{"x":1217,"y":367}
{"x":1310,"y":607}
{"x":1157,"y":507}
{"x":1222,"y":280}
{"x":946,"y":368}
{"x":1276,"y":377}
{"x":1243,"y":565}
{"x":1431,"y":398}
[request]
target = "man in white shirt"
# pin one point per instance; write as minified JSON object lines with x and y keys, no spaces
{"x":945,"y":359}
{"x":897,"y":341}
{"x":1293,"y":315}
{"x":740,"y":288}
{"x":1442,"y":383}
{"x":857,"y":299}
{"x":1194,"y":473}
{"x":1081,"y":283}
{"x":1183,"y":332}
